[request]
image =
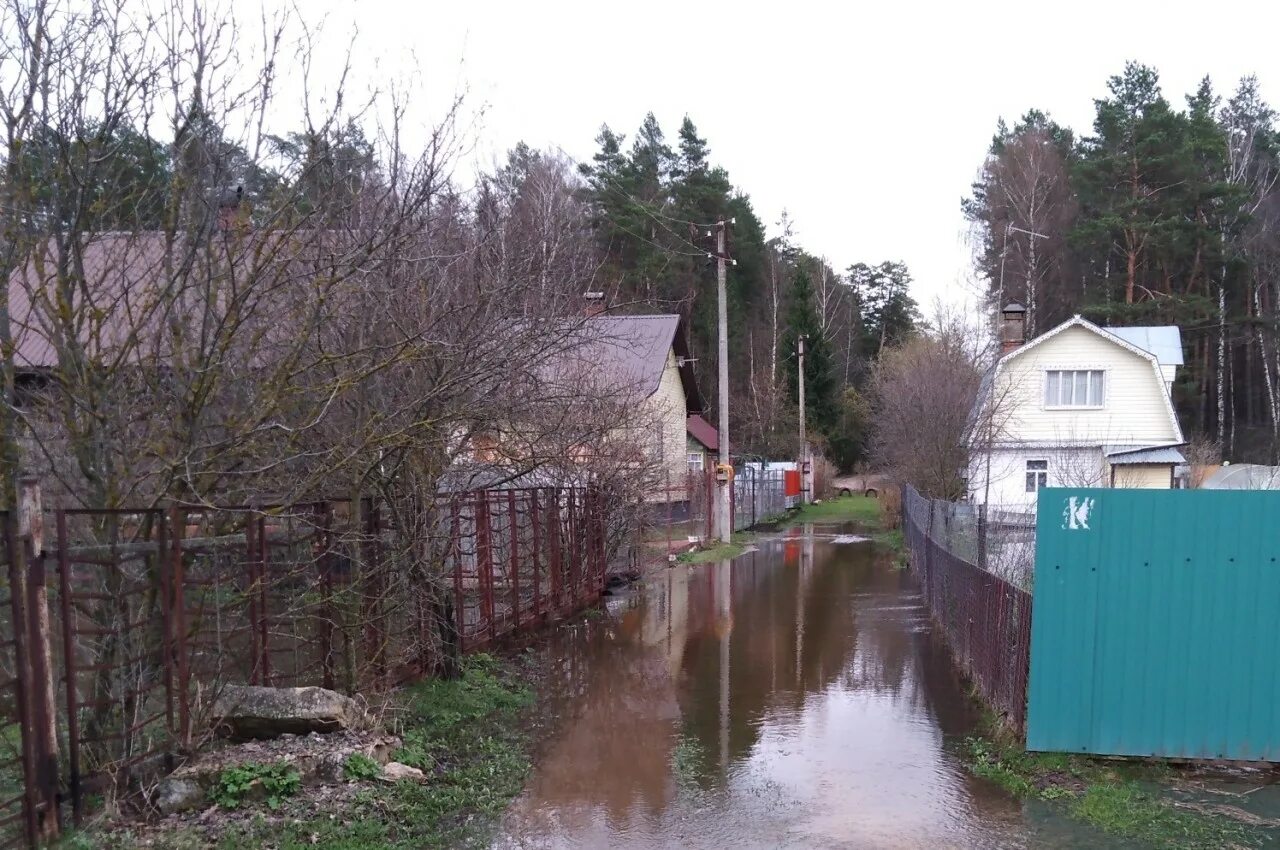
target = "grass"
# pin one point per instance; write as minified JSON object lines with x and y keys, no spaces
{"x":464,"y":734}
{"x":720,"y":552}
{"x":859,"y":509}
{"x":1114,"y":797}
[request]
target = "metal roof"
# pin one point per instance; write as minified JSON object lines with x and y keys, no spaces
{"x":1154,"y":455}
{"x":633,"y":350}
{"x":1163,"y":341}
{"x":704,"y":432}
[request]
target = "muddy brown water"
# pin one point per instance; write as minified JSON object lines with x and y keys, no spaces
{"x":794,"y":697}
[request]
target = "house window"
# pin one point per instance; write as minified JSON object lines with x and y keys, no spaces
{"x":695,"y":461}
{"x":1073,"y":388}
{"x":1037,"y":475}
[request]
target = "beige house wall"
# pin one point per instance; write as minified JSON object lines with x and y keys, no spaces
{"x":1143,"y":477}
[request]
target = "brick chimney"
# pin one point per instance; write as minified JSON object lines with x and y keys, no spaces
{"x":230,"y":215}
{"x":594,"y":303}
{"x":1013,"y":327}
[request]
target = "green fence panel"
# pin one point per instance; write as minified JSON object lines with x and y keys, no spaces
{"x":1155,"y":627}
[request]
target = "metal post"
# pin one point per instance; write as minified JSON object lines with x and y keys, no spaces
{"x":514,"y":561}
{"x":329,"y":614}
{"x":982,"y":536}
{"x":69,"y":666}
{"x":459,"y":601}
{"x":264,"y":611}
{"x":536,"y":530}
{"x":177,"y":529}
{"x":557,"y":551}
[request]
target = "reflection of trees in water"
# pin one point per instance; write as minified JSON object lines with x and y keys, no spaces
{"x":802,"y":624}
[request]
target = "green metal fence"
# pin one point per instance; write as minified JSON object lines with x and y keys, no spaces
{"x":1156,"y":624}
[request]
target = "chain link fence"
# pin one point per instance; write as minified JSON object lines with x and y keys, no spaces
{"x":985,"y":617}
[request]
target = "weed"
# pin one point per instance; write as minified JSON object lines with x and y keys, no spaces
{"x":236,"y":784}
{"x":688,"y":758}
{"x":360,"y":768}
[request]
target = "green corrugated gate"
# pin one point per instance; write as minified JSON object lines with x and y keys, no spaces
{"x":1155,"y":629}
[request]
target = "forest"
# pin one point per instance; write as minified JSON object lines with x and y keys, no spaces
{"x":653,"y":205}
{"x":1161,"y":215}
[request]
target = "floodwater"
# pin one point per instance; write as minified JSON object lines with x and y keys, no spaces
{"x":794,"y":697}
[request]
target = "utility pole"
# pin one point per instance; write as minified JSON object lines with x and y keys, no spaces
{"x":804,"y":443}
{"x":724,"y":520}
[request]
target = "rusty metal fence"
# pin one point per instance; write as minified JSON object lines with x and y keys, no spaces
{"x":985,"y":619}
{"x":118,"y":628}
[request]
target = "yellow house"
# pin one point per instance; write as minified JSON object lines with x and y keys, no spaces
{"x":647,"y":356}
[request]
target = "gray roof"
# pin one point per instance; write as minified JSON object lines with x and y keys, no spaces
{"x":1163,"y":341}
{"x":632,"y":351}
{"x":1162,"y":455}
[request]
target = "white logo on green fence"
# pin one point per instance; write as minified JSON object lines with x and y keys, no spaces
{"x":1075,"y":515}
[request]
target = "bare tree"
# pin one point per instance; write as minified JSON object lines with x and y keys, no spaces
{"x":924,"y":394}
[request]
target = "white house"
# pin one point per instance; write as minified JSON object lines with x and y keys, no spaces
{"x":1078,"y":406}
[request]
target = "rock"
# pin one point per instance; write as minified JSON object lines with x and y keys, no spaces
{"x":177,"y":794}
{"x":248,"y":711}
{"x":394,"y":771}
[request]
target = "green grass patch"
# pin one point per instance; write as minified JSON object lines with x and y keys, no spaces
{"x":859,"y":509}
{"x":721,"y":551}
{"x":1112,"y":796}
{"x":1125,"y":810}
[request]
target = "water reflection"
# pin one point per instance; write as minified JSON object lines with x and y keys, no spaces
{"x":793,"y":697}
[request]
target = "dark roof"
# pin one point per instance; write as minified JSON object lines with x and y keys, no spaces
{"x":632,"y":350}
{"x":704,"y":432}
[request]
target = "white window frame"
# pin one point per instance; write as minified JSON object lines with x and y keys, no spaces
{"x":1073,"y":370}
{"x":1041,"y":474}
{"x":691,"y":457}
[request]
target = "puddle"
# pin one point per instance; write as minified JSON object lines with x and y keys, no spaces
{"x":794,"y":697}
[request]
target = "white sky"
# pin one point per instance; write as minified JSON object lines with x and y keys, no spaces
{"x":867,"y":122}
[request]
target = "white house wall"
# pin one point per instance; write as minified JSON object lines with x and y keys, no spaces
{"x":1068,"y":467}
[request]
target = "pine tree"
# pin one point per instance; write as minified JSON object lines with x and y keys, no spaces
{"x":821,"y":404}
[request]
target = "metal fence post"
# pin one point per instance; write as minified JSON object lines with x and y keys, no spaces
{"x":535,"y":527}
{"x":177,"y":530}
{"x":982,"y":536}
{"x":69,"y":669}
{"x":514,"y":560}
{"x":329,"y":614}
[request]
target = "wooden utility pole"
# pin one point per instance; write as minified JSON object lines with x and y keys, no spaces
{"x":724,"y":520}
{"x":804,"y":443}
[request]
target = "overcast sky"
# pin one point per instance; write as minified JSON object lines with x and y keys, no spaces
{"x":867,"y":122}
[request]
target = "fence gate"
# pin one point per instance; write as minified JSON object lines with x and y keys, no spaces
{"x":1156,"y":624}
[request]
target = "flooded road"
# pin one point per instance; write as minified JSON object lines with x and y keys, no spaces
{"x":794,"y":697}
